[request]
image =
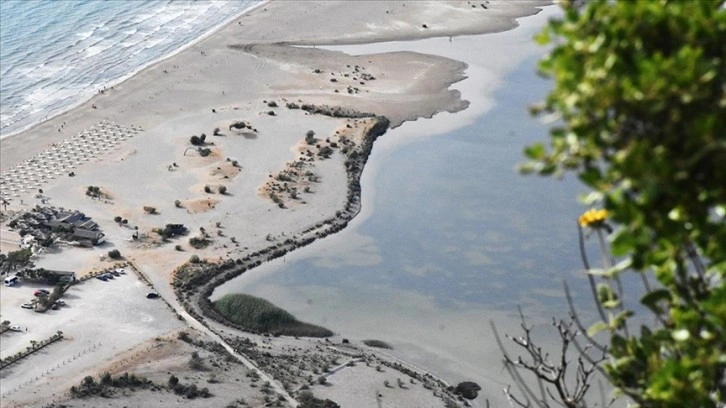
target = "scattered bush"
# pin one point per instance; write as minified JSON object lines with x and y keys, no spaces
{"x":196,"y":362}
{"x":149,"y":210}
{"x":238,"y":125}
{"x":196,"y":140}
{"x":117,"y":219}
{"x":216,"y":132}
{"x":208,"y":189}
{"x":222,"y":190}
{"x":114,"y":254}
{"x":177,"y":204}
{"x":173,"y":380}
{"x":310,"y":138}
{"x":199,"y":243}
{"x":94,"y":191}
{"x":194,"y":259}
{"x":172,"y":230}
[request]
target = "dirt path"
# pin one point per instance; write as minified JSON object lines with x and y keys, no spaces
{"x":196,"y":324}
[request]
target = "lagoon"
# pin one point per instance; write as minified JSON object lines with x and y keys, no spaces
{"x":451,"y":236}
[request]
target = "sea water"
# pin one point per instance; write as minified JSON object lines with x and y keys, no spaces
{"x":57,"y":54}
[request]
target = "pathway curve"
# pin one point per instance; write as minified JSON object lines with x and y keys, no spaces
{"x":196,"y":324}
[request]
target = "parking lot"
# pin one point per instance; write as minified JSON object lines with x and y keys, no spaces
{"x":99,"y":320}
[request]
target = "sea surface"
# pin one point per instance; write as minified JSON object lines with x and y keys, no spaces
{"x":57,"y":54}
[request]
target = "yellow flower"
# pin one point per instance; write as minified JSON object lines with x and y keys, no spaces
{"x":593,"y":218}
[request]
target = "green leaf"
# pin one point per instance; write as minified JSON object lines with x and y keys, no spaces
{"x":651,"y":300}
{"x":535,"y":151}
{"x":597,"y":328}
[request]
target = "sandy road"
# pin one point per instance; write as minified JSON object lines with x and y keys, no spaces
{"x":196,"y":324}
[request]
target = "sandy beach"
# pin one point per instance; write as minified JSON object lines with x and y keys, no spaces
{"x":281,"y":115}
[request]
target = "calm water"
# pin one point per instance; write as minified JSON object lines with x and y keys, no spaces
{"x":456,"y":238}
{"x":56,"y":54}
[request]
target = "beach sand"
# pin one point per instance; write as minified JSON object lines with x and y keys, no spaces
{"x":133,"y":140}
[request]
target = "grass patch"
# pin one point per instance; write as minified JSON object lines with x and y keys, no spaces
{"x":377,"y":343}
{"x":258,"y":314}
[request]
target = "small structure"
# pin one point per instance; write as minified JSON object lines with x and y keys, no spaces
{"x":86,"y":237}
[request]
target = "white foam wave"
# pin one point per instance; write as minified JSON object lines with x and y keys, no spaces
{"x":60,"y":73}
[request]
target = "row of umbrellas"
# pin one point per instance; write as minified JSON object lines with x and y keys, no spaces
{"x":63,"y":157}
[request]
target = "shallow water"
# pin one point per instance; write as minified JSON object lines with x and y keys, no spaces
{"x":457,"y":237}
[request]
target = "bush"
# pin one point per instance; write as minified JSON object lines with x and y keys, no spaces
{"x":199,"y":243}
{"x":222,"y":190}
{"x":467,"y":389}
{"x":117,"y":219}
{"x":308,"y":400}
{"x":258,"y":314}
{"x":196,"y":140}
{"x":114,"y":254}
{"x":208,"y":189}
{"x":196,"y":362}
{"x":194,"y":259}
{"x":173,"y":380}
{"x":238,"y":125}
{"x":150,"y":210}
{"x":177,"y":204}
{"x":216,"y":132}
{"x":377,"y":343}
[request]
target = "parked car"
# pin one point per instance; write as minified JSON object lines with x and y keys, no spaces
{"x":55,"y":306}
{"x":114,"y":273}
{"x":40,"y":292}
{"x":152,"y":295}
{"x":27,"y":305}
{"x":15,"y":327}
{"x":102,"y":277}
{"x":60,"y":302}
{"x":121,"y":271}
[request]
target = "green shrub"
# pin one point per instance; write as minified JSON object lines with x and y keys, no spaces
{"x":377,"y":343}
{"x":258,"y":314}
{"x":114,"y":254}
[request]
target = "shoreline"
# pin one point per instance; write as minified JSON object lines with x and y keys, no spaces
{"x":123,"y":78}
{"x":170,"y":107}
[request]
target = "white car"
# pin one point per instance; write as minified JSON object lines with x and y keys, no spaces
{"x":15,"y":327}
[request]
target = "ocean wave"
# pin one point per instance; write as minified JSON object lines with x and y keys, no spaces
{"x":63,"y":52}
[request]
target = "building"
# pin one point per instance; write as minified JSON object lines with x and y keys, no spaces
{"x":86,"y":237}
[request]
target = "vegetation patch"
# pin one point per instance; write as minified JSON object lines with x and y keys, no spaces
{"x":258,"y":314}
{"x":377,"y":344}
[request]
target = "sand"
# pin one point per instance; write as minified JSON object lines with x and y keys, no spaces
{"x":133,"y":140}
